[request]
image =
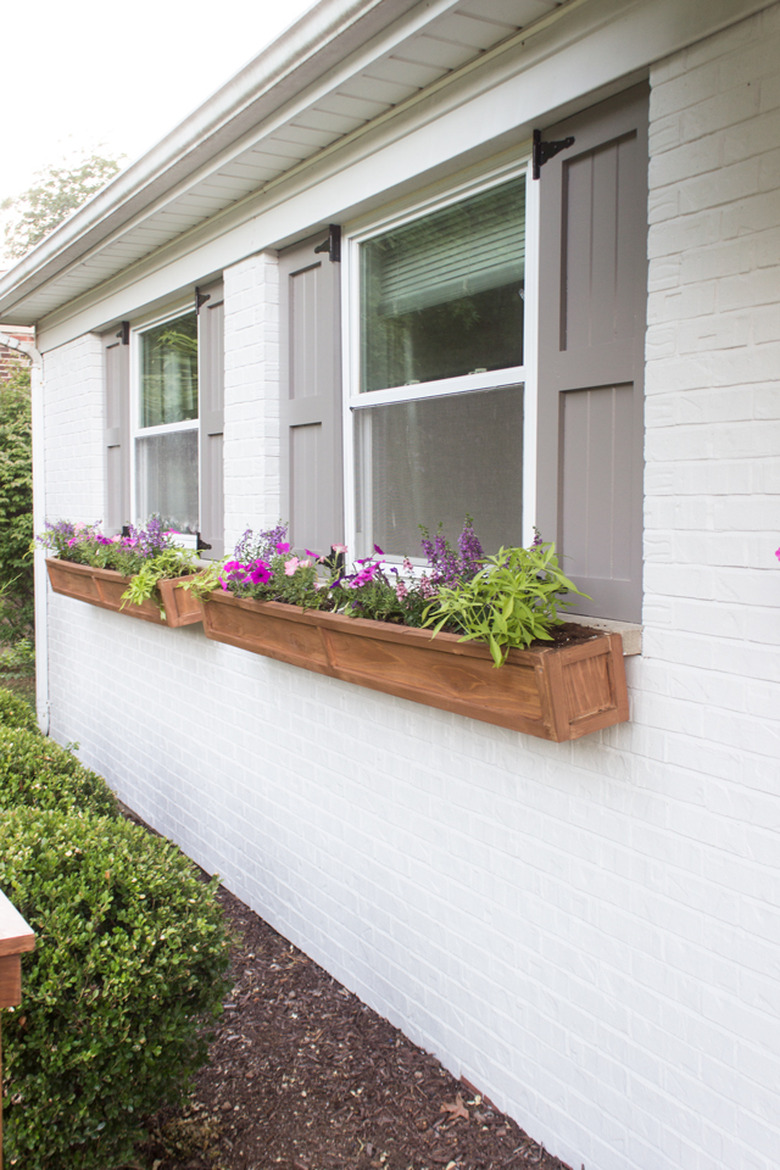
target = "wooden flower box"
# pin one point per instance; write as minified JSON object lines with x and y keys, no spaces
{"x":104,"y":587}
{"x":557,"y":692}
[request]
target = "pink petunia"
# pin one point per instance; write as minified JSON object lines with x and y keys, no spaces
{"x":290,"y":566}
{"x":283,"y":548}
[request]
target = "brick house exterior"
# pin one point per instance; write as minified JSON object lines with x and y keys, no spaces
{"x":590,"y":932}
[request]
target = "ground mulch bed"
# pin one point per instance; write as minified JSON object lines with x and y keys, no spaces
{"x":303,"y":1076}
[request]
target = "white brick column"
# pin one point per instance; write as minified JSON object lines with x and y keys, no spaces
{"x":251,"y":395}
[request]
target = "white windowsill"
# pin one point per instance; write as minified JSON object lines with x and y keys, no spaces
{"x":630,"y":632}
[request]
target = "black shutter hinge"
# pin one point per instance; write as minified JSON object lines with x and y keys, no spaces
{"x":200,"y":543}
{"x":124,"y":333}
{"x":544,"y":151}
{"x":200,"y":299}
{"x":333,"y":243}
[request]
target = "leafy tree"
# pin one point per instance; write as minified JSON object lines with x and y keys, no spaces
{"x":16,"y":520}
{"x":58,"y":191}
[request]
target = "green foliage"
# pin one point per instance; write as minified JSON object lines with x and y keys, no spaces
{"x":36,"y":771}
{"x":171,"y":563}
{"x":512,"y":601}
{"x":18,"y":658}
{"x":15,"y":712}
{"x":57,"y":192}
{"x":16,"y":525}
{"x":130,"y":960}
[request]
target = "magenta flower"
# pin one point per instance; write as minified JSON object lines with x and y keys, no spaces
{"x":777,"y":553}
{"x":259,"y":572}
{"x":283,"y":548}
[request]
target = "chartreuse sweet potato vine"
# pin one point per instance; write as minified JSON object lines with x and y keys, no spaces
{"x":512,"y":601}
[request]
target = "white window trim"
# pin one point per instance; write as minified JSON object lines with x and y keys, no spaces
{"x":354,"y":400}
{"x":136,"y":430}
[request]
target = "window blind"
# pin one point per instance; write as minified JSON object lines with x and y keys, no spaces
{"x":456,"y":252}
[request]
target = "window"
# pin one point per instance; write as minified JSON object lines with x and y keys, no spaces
{"x":438,"y":399}
{"x":164,"y":392}
{"x":166,"y":438}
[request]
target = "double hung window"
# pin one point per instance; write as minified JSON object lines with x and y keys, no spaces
{"x":166,"y":438}
{"x":436,"y":391}
{"x":436,"y":394}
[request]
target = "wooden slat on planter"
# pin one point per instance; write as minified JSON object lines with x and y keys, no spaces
{"x":557,"y":692}
{"x":104,"y":588}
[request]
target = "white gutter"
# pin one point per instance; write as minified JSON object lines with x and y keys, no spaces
{"x":39,"y":514}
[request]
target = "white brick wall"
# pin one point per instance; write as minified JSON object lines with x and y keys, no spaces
{"x":73,"y":430}
{"x":589,"y":932}
{"x":251,"y":396}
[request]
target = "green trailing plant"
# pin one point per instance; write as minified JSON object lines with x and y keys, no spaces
{"x":129,"y":963}
{"x":15,"y":713}
{"x":36,"y":771}
{"x":511,"y":601}
{"x":507,"y":600}
{"x":169,"y":564}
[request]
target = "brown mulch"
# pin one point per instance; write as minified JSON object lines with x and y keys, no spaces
{"x":303,"y":1076}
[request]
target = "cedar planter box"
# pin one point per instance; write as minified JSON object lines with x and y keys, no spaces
{"x":556,"y":692}
{"x":104,"y":587}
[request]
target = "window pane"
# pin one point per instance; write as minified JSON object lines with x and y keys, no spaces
{"x":167,"y":469}
{"x":438,"y":459}
{"x":169,"y":372}
{"x":442,"y":296}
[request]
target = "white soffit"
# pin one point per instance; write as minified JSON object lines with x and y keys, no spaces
{"x":426,"y":44}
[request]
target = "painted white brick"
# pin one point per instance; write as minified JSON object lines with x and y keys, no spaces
{"x":587,"y":931}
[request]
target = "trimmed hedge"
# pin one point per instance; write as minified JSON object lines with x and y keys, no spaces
{"x":36,"y":771}
{"x":130,"y":959}
{"x":15,"y":711}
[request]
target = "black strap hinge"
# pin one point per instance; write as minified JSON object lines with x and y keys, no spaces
{"x":124,"y":333}
{"x":333,"y":243}
{"x":200,"y":299}
{"x":544,"y":151}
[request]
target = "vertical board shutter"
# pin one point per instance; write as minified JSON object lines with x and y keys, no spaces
{"x":116,"y":381}
{"x":310,"y":414}
{"x":211,"y":412}
{"x":593,"y":292}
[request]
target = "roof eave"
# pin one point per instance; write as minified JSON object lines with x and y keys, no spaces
{"x":293,"y":62}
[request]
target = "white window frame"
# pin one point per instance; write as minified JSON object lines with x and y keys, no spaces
{"x":356,"y":400}
{"x":137,"y":431}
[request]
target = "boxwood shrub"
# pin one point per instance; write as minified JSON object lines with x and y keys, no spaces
{"x":15,"y":711}
{"x":36,"y":771}
{"x":131,"y":953}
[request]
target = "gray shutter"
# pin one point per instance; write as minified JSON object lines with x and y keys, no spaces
{"x":310,"y":409}
{"x":593,"y":291}
{"x":117,"y":430}
{"x":211,"y":414}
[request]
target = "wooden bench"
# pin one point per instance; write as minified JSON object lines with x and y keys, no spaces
{"x":15,"y":938}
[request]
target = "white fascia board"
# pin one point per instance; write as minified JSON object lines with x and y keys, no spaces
{"x":603,"y":47}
